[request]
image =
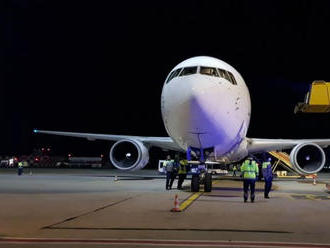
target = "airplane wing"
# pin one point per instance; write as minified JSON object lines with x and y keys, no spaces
{"x":162,"y":142}
{"x":305,"y":157}
{"x":255,"y":145}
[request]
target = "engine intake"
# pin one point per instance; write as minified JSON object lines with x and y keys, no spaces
{"x":129,"y":155}
{"x":307,"y":158}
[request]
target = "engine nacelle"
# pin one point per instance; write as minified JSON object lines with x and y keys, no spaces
{"x":307,"y":158}
{"x":129,"y":154}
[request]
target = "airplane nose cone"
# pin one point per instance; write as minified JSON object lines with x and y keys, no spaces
{"x":193,"y":113}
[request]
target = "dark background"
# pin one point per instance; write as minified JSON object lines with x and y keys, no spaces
{"x":99,"y":66}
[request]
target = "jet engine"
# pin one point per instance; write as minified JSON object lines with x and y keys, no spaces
{"x":307,"y":158}
{"x":129,"y":155}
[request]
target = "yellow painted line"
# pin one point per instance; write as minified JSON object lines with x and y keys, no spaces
{"x":290,"y":197}
{"x":310,"y":197}
{"x":192,"y":198}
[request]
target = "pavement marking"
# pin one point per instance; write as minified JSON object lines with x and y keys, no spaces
{"x":83,"y":214}
{"x":309,"y":197}
{"x":161,"y":242}
{"x":186,"y":203}
{"x":171,"y":229}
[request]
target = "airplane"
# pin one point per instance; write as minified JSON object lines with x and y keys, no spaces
{"x":206,"y":109}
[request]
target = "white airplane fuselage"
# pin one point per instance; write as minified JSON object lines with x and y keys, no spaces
{"x":206,"y":111}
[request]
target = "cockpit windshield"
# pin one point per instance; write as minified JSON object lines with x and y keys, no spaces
{"x":209,"y":71}
{"x":188,"y":71}
{"x":182,"y":72}
{"x":174,"y":74}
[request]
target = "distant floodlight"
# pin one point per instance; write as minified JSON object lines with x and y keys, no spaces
{"x":35,"y":130}
{"x":307,"y":157}
{"x":128,"y":155}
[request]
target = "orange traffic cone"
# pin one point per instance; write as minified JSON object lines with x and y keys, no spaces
{"x":176,"y":205}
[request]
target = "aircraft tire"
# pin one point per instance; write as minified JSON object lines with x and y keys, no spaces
{"x":208,"y":182}
{"x":195,"y":183}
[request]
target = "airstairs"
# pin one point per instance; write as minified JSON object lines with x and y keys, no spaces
{"x":283,"y":160}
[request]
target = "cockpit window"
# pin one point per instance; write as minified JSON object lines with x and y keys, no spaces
{"x":233,"y":80}
{"x":209,"y":71}
{"x":188,"y":71}
{"x":224,"y":74}
{"x":174,"y":74}
{"x":227,"y":75}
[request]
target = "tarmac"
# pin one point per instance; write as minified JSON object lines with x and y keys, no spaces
{"x":98,"y":208}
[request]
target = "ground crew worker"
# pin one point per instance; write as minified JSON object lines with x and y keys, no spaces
{"x":249,"y":173}
{"x":20,"y":168}
{"x":234,"y":170}
{"x":169,"y":169}
{"x":268,"y":176}
{"x":182,"y":172}
{"x":175,"y":169}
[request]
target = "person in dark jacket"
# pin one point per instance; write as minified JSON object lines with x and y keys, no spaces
{"x":268,"y":176}
{"x":175,"y":169}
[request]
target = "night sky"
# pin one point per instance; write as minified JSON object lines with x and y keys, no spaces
{"x":99,"y":66}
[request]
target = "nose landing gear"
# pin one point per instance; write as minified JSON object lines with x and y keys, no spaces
{"x":200,"y":174}
{"x":201,"y":178}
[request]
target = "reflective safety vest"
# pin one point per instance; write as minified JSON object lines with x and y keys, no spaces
{"x":267,"y":171}
{"x":265,"y":164}
{"x":20,"y":164}
{"x":183,"y":166}
{"x":169,"y":165}
{"x":249,"y":170}
{"x":234,"y":168}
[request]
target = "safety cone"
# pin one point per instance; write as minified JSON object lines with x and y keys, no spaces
{"x":314,"y":179}
{"x":176,"y":205}
{"x":116,"y":178}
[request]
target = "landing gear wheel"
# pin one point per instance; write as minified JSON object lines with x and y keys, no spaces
{"x":195,"y":183}
{"x":208,"y":182}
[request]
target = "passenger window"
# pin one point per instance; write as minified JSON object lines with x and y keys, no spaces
{"x":209,"y":71}
{"x":174,"y":74}
{"x":233,"y":80}
{"x":188,"y":71}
